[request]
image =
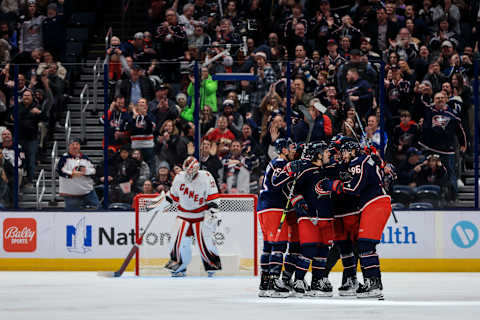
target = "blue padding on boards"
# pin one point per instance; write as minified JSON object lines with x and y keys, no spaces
{"x":234,"y":77}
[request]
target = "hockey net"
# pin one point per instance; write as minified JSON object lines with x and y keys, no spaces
{"x":235,"y":236}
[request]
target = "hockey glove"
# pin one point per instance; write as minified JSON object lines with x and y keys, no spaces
{"x":301,"y":208}
{"x":213,"y":207}
{"x":295,"y":167}
{"x":336,"y":186}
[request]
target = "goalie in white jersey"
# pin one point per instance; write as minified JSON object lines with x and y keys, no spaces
{"x":196,"y":194}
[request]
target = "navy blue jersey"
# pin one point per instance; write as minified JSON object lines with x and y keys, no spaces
{"x":366,"y":180}
{"x":272,"y":195}
{"x":309,"y":188}
{"x":343,"y":204}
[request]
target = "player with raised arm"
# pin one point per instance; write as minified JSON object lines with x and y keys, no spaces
{"x":375,"y":209}
{"x":315,"y":220}
{"x":196,"y":194}
{"x":271,"y":203}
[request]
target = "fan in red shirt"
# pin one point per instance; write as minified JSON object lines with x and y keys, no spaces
{"x":221,"y":131}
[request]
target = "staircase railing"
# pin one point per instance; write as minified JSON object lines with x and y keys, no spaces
{"x":84,"y":103}
{"x":53,"y":165}
{"x":108,"y":36}
{"x":68,"y":129}
{"x":96,"y":77}
{"x":40,"y":192}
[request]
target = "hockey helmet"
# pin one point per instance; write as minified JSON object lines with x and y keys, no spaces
{"x":314,"y":148}
{"x":349,"y":146}
{"x":191,"y":167}
{"x":281,"y":143}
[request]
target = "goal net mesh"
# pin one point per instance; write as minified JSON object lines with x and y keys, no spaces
{"x":234,"y":230}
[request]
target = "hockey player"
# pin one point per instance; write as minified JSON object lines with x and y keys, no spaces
{"x":315,"y":221}
{"x":271,"y":204}
{"x":195,"y":193}
{"x":346,"y":219}
{"x":375,"y":208}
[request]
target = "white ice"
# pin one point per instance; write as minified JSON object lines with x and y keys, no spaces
{"x":85,"y":296}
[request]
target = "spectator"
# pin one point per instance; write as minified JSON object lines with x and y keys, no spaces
{"x":208,"y":94}
{"x":207,"y":120}
{"x":117,"y":63}
{"x":141,"y":127}
{"x":162,"y":181}
{"x":119,"y":119}
{"x":408,"y":168}
{"x":431,"y":172}
{"x":322,"y":127}
{"x":144,"y":173}
{"x":382,"y":31}
{"x":235,"y":120}
{"x":405,"y":136}
{"x":54,"y":32}
{"x":9,"y":154}
{"x":373,"y":133}
{"x":30,"y":116}
{"x":31,"y":30}
{"x":135,"y":88}
{"x":440,"y":126}
{"x":359,"y":93}
{"x":221,"y":131}
{"x":147,"y":188}
{"x":127,"y":171}
{"x":162,"y":108}
{"x":76,"y":185}
{"x":169,"y":146}
{"x":236,"y":171}
{"x":6,"y":181}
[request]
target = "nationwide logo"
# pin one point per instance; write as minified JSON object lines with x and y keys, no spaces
{"x":79,"y":237}
{"x":19,"y":234}
{"x":464,"y":234}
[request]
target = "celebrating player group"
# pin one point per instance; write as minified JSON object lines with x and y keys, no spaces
{"x":332,"y":199}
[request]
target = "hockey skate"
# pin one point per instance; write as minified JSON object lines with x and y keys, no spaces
{"x":300,"y":288}
{"x":171,"y":265}
{"x":372,"y":288}
{"x":179,"y":274}
{"x":321,"y":287}
{"x":349,"y":287}
{"x":279,"y":288}
{"x":263,"y":290}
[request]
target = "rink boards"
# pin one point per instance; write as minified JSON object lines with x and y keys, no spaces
{"x":421,"y":241}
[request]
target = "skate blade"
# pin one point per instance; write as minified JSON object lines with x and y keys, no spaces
{"x":264,"y":293}
{"x":280,"y":295}
{"x":320,"y":294}
{"x":351,"y":293}
{"x":375,"y":294}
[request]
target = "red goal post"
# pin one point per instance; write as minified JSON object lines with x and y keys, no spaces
{"x":236,"y":236}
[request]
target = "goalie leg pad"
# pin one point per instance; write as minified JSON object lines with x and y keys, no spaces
{"x":369,"y":260}
{"x":180,"y":255}
{"x":206,"y":246}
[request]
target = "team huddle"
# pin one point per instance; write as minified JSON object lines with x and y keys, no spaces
{"x":330,"y":196}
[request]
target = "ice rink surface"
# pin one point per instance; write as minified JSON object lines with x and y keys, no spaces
{"x":86,"y":296}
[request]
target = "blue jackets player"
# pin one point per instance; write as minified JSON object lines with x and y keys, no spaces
{"x":375,"y":209}
{"x":271,"y":203}
{"x":314,"y":216}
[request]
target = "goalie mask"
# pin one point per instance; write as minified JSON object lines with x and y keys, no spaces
{"x":191,"y":167}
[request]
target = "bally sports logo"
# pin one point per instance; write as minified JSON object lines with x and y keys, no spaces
{"x":20,"y":235}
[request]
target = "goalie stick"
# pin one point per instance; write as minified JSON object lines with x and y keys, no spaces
{"x":115,"y":274}
{"x":310,"y":121}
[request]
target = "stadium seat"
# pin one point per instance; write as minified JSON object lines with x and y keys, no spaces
{"x":398,"y":206}
{"x":74,"y":48}
{"x":402,"y":194}
{"x":428,"y":193}
{"x":420,"y":205}
{"x":120,"y":207}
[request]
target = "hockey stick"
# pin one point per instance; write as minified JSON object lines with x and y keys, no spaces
{"x":353,"y":132}
{"x":310,"y":121}
{"x":133,"y":251}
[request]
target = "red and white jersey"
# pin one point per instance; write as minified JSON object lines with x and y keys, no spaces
{"x":192,"y":197}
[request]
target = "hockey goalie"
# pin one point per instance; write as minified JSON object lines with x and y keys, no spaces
{"x":196,"y":195}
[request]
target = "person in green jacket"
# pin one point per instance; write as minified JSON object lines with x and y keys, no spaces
{"x":208,"y":94}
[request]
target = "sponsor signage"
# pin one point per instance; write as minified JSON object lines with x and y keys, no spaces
{"x":461,"y":232}
{"x":19,"y":235}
